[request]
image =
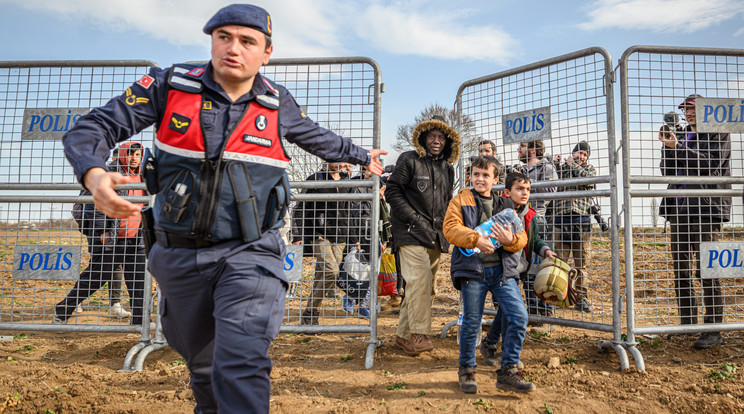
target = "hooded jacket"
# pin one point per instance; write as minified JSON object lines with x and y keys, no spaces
{"x":420,"y":188}
{"x":130,"y":226}
{"x":463,"y":214}
{"x":705,"y":155}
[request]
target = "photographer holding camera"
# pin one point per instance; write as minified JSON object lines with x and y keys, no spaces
{"x":572,"y":221}
{"x":685,"y":152}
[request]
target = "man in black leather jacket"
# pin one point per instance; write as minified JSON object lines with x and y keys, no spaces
{"x":419,"y":191}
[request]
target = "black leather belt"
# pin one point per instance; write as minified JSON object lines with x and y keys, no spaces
{"x":175,"y":240}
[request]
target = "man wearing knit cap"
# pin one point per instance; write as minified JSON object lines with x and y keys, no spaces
{"x":221,"y":195}
{"x":572,"y":222}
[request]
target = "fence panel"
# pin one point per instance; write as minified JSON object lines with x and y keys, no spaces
{"x":40,"y":101}
{"x":560,"y":101}
{"x":654,"y":82}
{"x":343,"y":95}
{"x":43,"y":249}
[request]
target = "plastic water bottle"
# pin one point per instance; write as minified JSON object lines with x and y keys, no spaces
{"x":504,"y":217}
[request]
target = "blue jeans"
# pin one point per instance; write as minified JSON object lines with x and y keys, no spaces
{"x":514,"y":324}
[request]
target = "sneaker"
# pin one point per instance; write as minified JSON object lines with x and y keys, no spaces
{"x":421,"y":343}
{"x":406,"y":346}
{"x":364,"y":306}
{"x":466,"y":378}
{"x":490,"y":353}
{"x":308,"y":318}
{"x":348,"y":304}
{"x":118,"y":311}
{"x":708,"y":340}
{"x":510,"y":378}
{"x":57,"y":320}
{"x":584,"y":306}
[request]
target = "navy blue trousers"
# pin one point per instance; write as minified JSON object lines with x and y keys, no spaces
{"x":221,"y":308}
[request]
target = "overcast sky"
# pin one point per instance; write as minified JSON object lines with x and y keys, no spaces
{"x":425,"y":49}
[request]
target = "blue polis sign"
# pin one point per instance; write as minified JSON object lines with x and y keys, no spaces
{"x":526,"y":126}
{"x":49,"y":124}
{"x":46,"y":262}
{"x":721,"y":260}
{"x":720,"y":115}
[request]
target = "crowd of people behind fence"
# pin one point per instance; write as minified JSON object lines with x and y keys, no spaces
{"x":213,"y":242}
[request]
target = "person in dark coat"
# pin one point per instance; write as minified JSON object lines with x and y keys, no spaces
{"x":695,"y":219}
{"x":419,"y":191}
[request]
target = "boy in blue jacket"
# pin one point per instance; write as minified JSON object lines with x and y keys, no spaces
{"x":492,"y":270}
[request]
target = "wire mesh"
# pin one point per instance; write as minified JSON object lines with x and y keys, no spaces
{"x":574,"y":89}
{"x":669,"y":219}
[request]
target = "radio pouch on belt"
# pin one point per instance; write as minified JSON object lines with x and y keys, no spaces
{"x":277,"y":205}
{"x":148,"y":229}
{"x":245,"y":199}
{"x":149,"y":172}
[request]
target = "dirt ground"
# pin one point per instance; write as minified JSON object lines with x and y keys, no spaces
{"x":72,"y":372}
{"x":47,"y":372}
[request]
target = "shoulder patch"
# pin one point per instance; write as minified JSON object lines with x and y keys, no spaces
{"x":184,"y":78}
{"x":145,"y":81}
{"x":269,"y":84}
{"x":196,"y":72}
{"x":268,"y":101}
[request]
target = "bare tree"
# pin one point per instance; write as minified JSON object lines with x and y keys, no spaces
{"x":466,"y":127}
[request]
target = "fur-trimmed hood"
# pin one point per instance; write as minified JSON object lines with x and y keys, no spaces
{"x":451,"y":150}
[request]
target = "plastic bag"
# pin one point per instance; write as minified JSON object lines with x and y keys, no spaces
{"x":387,"y":279}
{"x":356,"y":266}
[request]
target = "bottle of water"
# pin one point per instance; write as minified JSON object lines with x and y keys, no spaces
{"x":504,"y":217}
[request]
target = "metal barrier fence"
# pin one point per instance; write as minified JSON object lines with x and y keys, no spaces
{"x":40,"y":101}
{"x":328,"y":216}
{"x":661,"y":295}
{"x":43,"y":249}
{"x":560,"y":101}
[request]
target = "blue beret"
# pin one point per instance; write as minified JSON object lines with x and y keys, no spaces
{"x":241,"y":15}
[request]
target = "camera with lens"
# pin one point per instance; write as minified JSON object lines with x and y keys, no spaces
{"x":596,"y":211}
{"x":671,"y":123}
{"x":520,"y":168}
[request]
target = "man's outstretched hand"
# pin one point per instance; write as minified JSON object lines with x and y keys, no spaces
{"x":101,"y":184}
{"x":375,"y":166}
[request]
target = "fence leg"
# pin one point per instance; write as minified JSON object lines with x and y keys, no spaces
{"x":637,"y":357}
{"x":618,"y":347}
{"x":369,"y":359}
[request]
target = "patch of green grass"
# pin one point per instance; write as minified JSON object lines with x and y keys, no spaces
{"x":177,"y":363}
{"x":563,"y":339}
{"x":387,"y":373}
{"x":304,"y":340}
{"x":26,"y":349}
{"x":482,"y":402}
{"x":57,"y":390}
{"x":95,"y":356}
{"x":383,"y":402}
{"x":420,"y":394}
{"x":397,"y":386}
{"x":727,"y":370}
{"x":20,"y":336}
{"x":569,"y":360}
{"x":11,"y":359}
{"x":538,"y":335}
{"x":547,"y":410}
{"x":346,"y":358}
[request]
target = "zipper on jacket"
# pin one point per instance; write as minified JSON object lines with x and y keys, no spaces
{"x":209,"y":188}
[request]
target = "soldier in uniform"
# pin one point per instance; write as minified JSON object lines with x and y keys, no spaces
{"x":218,"y":172}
